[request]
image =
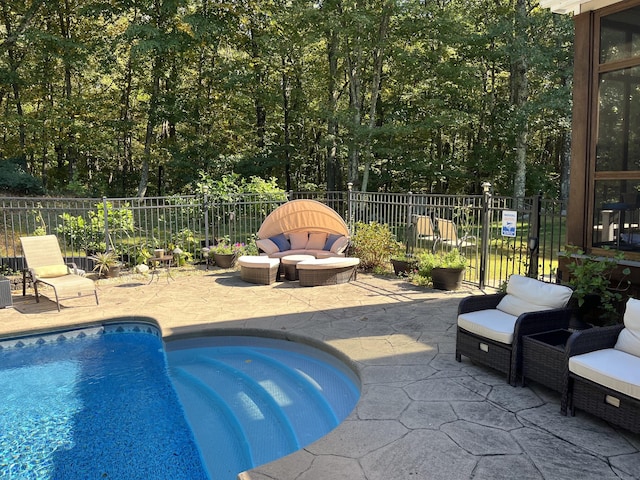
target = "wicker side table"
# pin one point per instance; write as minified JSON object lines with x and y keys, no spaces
{"x":543,"y":357}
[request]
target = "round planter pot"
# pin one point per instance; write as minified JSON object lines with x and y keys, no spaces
{"x":402,"y":267}
{"x":113,"y":272}
{"x":447,"y":278}
{"x":224,"y":260}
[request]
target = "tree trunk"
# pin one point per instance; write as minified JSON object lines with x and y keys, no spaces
{"x":152,"y":121}
{"x":332,"y":164}
{"x":519,"y":96}
{"x":378,"y":61}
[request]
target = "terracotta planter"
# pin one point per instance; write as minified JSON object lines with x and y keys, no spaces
{"x":225,"y":260}
{"x":447,"y":278}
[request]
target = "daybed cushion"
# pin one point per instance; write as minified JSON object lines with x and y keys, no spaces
{"x":298,"y":240}
{"x":51,"y":271}
{"x":330,"y":241}
{"x":267,"y":246}
{"x":611,"y":368}
{"x":629,"y":337}
{"x":317,"y":241}
{"x":328,"y":263}
{"x":526,"y":294}
{"x":281,"y":242}
{"x":340,"y":245}
{"x":493,"y":324}
{"x":253,"y":261}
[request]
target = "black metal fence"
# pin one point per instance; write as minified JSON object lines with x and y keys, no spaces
{"x":499,"y":235}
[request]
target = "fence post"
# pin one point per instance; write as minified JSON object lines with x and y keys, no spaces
{"x":410,"y":233}
{"x":534,"y":237}
{"x":106,"y":224}
{"x":205,"y":209}
{"x":486,"y":225}
{"x":350,"y":205}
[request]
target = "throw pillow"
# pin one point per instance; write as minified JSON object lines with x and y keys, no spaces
{"x":51,"y":271}
{"x":316,"y":241}
{"x":298,"y":240}
{"x":281,"y":242}
{"x":629,"y":337}
{"x":340,"y":245}
{"x":330,"y":241}
{"x":267,"y":246}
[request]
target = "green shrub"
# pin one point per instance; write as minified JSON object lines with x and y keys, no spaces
{"x":427,"y":261}
{"x":374,"y":244}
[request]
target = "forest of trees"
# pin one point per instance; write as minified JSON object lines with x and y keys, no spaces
{"x":140,"y":97}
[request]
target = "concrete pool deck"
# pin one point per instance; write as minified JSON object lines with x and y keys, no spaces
{"x":422,"y":415}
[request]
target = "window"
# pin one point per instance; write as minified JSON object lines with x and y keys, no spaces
{"x":616,"y":169}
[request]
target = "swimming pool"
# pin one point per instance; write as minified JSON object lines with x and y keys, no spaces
{"x":98,"y":403}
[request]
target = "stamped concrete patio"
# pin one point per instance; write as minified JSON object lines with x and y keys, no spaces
{"x":422,"y":415}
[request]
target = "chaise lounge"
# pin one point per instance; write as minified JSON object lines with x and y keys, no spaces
{"x":46,"y":266}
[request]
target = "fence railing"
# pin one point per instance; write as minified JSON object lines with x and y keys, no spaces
{"x":132,"y":225}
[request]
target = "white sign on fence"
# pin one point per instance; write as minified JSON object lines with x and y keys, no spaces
{"x":509,"y":221}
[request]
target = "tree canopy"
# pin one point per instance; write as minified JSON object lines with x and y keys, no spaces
{"x":121,"y":97}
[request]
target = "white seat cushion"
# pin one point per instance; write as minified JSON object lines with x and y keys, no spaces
{"x":259,"y":261}
{"x":328,"y":263}
{"x":526,"y":294}
{"x":629,"y":338}
{"x":493,"y":324}
{"x":611,"y":368}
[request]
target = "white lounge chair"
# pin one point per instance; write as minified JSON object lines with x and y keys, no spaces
{"x":46,"y":266}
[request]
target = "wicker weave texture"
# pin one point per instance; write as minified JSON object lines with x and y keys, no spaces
{"x":591,"y":397}
{"x":327,"y":276}
{"x":543,"y":358}
{"x":262,"y":275}
{"x":497,"y":356}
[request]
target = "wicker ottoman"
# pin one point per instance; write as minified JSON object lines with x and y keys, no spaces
{"x":327,"y":271}
{"x":289,"y":263}
{"x":258,"y":269}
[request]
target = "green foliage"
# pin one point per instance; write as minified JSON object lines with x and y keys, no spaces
{"x":104,"y":261}
{"x":374,"y":244}
{"x":170,"y":89}
{"x":592,"y":275}
{"x":15,"y":179}
{"x":89,"y":234}
{"x":427,"y":261}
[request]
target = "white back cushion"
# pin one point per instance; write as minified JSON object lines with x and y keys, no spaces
{"x":526,"y":294}
{"x":629,"y":338}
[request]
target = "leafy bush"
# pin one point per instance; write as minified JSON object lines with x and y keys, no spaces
{"x":88,"y":234}
{"x":374,"y":244}
{"x":427,"y":261}
{"x":14,"y":178}
{"x":590,"y":275}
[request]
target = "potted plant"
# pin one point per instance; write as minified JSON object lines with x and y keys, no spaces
{"x":445,"y":269}
{"x":403,"y":264}
{"x":106,"y":264}
{"x":225,"y":253}
{"x":598,"y":284}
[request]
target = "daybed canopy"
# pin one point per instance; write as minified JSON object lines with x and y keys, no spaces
{"x":302,"y":215}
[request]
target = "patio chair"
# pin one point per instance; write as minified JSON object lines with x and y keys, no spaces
{"x":425,"y":230}
{"x":448,"y":231}
{"x":46,"y":265}
{"x":602,"y":371}
{"x":491,"y":327}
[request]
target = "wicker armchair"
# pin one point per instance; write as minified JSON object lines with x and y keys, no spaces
{"x":602,"y":374}
{"x":491,"y":327}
